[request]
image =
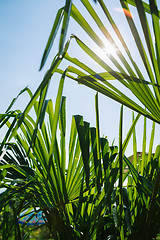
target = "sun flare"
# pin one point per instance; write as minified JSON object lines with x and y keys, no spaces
{"x":109,"y":49}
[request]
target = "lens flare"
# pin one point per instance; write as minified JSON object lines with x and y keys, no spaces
{"x":126,"y":12}
{"x":108,"y":49}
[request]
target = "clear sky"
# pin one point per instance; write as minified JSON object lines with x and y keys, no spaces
{"x":25,"y":27}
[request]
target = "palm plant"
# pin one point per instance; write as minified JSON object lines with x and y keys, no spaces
{"x":125,"y":69}
{"x":80,"y":201}
{"x":34,"y":172}
{"x":142,"y":85}
{"x":76,"y":201}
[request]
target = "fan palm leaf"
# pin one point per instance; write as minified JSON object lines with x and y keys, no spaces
{"x":41,"y":174}
{"x":145,"y":89}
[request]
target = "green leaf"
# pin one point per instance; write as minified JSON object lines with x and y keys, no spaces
{"x":67,"y":12}
{"x":52,"y":36}
{"x":83,"y":134}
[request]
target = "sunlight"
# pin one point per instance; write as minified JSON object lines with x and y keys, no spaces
{"x":109,"y":49}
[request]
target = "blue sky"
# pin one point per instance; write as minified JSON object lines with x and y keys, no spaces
{"x":25,"y":27}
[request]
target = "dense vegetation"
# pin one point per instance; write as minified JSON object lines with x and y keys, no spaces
{"x":86,"y":187}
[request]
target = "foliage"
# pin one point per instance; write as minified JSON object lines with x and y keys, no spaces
{"x":80,"y":190}
{"x":132,"y":78}
{"x":126,"y":69}
{"x":87,"y":199}
{"x":33,"y":170}
{"x":141,"y":197}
